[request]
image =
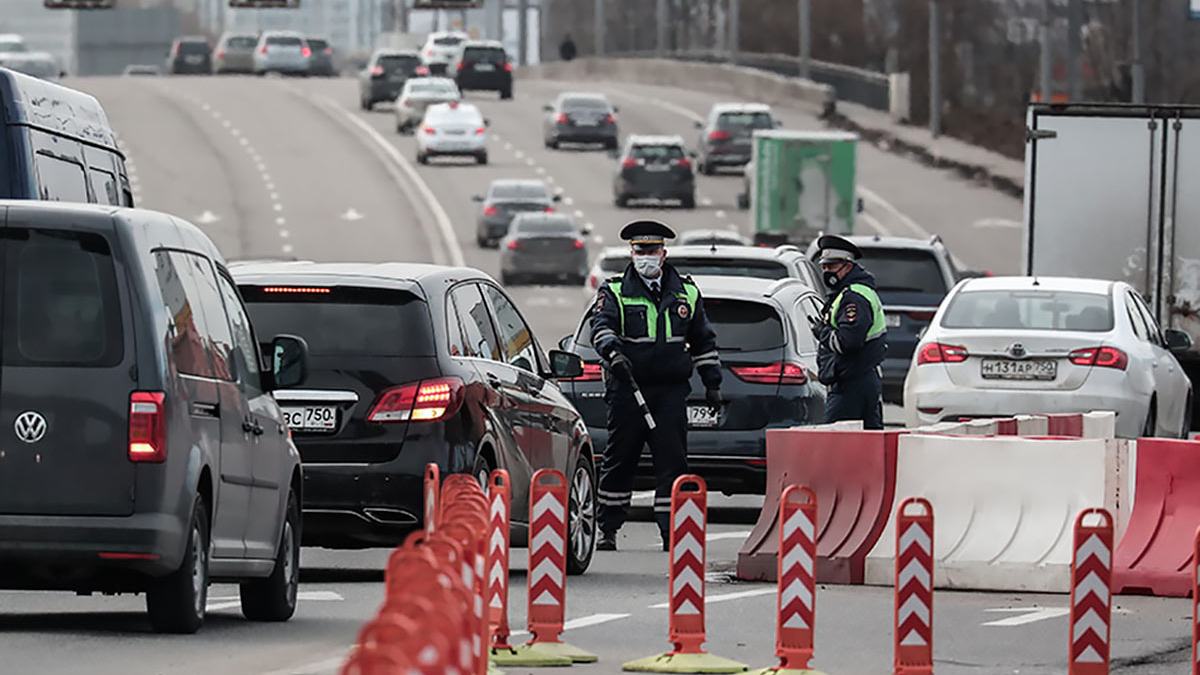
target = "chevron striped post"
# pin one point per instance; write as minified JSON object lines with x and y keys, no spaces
{"x":497,"y":561}
{"x":1091,"y":594}
{"x":689,"y":512}
{"x":1196,"y":603}
{"x":914,"y":589}
{"x":432,"y":485}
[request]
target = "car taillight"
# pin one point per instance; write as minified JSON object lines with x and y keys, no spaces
{"x":462,"y":65}
{"x":508,"y":67}
{"x":175,"y":50}
{"x":578,"y":243}
{"x":514,"y":245}
{"x":921,"y":316}
{"x":429,"y":52}
{"x":306,"y":52}
{"x":481,"y":131}
{"x":562,"y":118}
{"x":220,"y":53}
{"x":490,"y":210}
{"x":591,"y":373}
{"x":263,"y":50}
{"x":629,"y":163}
{"x":422,"y":401}
{"x":548,"y":209}
{"x":377,"y":71}
{"x":776,"y":373}
{"x":1101,"y":357}
{"x":936,"y":352}
{"x":147,"y":427}
{"x":609,"y":119}
{"x":407,"y":103}
{"x":718,"y":135}
{"x":684,"y":162}
{"x":430,"y":130}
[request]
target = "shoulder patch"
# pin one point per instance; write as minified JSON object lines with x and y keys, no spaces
{"x":682,"y":310}
{"x":851,"y":311}
{"x":598,"y":306}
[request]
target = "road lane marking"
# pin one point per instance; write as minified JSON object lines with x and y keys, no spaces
{"x":720,"y":215}
{"x":568,"y":201}
{"x":229,"y":602}
{"x":1027,"y":615}
{"x":529,"y":161}
{"x":520,"y":154}
{"x":582,"y":622}
{"x":541,"y":171}
{"x":719,"y":536}
{"x":578,"y":213}
{"x":550,"y":180}
{"x":280,"y":220}
{"x":351,"y":214}
{"x":287,"y":248}
{"x":285,"y":234}
{"x":278,"y":207}
{"x":207,"y":217}
{"x":726,"y":597}
{"x":705,"y":201}
{"x":997,"y":222}
{"x":444,"y":228}
{"x":274,"y":196}
{"x":270,"y":186}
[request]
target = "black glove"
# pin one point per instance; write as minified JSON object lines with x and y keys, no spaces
{"x":620,"y":365}
{"x":815,"y":325}
{"x":713,"y":398}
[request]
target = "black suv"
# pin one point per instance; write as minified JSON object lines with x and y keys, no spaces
{"x":412,"y":364}
{"x":483,"y":65}
{"x":385,"y":75}
{"x":654,"y":167}
{"x":146,"y":452}
{"x":190,"y":55}
{"x":768,"y":358}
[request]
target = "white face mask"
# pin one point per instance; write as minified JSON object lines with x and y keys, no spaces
{"x":649,"y":266}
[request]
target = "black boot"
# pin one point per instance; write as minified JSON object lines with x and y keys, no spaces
{"x":666,"y":541}
{"x":608,"y":541}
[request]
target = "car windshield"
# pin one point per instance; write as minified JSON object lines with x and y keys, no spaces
{"x":43,"y":68}
{"x":544,"y":226}
{"x":758,"y":269}
{"x":448,"y":41}
{"x":484,"y":55}
{"x":1030,"y":310}
{"x":904,"y":270}
{"x":586,"y":104}
{"x":395,"y":62}
{"x":519,"y":191}
{"x":433,"y":89}
{"x":193,"y":47}
{"x":242,"y":42}
{"x":317,"y":44}
{"x":283,"y":41}
{"x":344,"y":321}
{"x":754,"y":120}
{"x":10,"y":45}
{"x":657,"y":152}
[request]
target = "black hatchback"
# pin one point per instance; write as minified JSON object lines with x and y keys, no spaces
{"x":654,"y":167}
{"x":483,"y":65}
{"x":190,"y":55}
{"x":412,"y":364}
{"x":768,"y":359}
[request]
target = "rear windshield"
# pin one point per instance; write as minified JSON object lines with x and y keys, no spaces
{"x":344,"y":321}
{"x":61,"y":305}
{"x":243,"y":41}
{"x":758,"y":269}
{"x":448,"y":41}
{"x":545,"y":226}
{"x":1030,"y":310}
{"x":744,"y":326}
{"x":597,"y":104}
{"x":614,"y":263}
{"x":519,"y":191}
{"x":433,"y":88}
{"x":397,"y":62}
{"x":657,"y":152}
{"x":484,"y":55}
{"x":285,"y":41}
{"x":193,"y":47}
{"x":756,"y":120}
{"x":905,"y":270}
{"x":9,"y":45}
{"x":317,"y":44}
{"x":36,"y":67}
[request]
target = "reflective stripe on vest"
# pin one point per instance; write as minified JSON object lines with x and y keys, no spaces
{"x":690,"y":295}
{"x":878,"y":320}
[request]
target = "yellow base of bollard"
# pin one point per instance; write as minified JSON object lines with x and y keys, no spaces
{"x":524,"y":655}
{"x":563,"y":649}
{"x":493,"y":670}
{"x":786,"y":671}
{"x":685,"y":663}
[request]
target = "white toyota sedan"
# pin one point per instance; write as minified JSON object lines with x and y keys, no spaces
{"x":452,"y":129}
{"x":1000,"y":346}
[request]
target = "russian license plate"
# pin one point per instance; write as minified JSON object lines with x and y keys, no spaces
{"x":193,"y":59}
{"x":311,"y":418}
{"x":484,"y":67}
{"x":1008,"y":369}
{"x":701,"y":416}
{"x":893,"y":320}
{"x":658,"y":167}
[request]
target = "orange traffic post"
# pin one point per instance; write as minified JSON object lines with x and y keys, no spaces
{"x":913,"y":630}
{"x":1196,"y":603}
{"x":500,"y":495}
{"x":432,"y":488}
{"x":1091,"y":594}
{"x":689,"y":514}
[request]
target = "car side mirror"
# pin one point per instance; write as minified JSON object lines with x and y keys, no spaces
{"x":778,"y":124}
{"x":698,"y":125}
{"x":548,"y":108}
{"x":616,"y":109}
{"x":859,"y":206}
{"x":487,"y":122}
{"x":557,"y":197}
{"x":289,"y":361}
{"x":586,"y":229}
{"x":1177,"y":340}
{"x":476,"y":198}
{"x":565,"y":365}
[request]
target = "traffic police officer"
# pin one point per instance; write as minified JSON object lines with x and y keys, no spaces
{"x":650,"y":328}
{"x":851,"y":336}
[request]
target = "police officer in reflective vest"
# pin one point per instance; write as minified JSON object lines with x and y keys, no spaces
{"x":650,"y":328}
{"x":851,"y":336}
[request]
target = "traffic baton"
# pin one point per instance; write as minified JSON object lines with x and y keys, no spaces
{"x":432,"y":486}
{"x":637,"y":396}
{"x":1091,"y":594}
{"x":689,"y":509}
{"x":913,"y":632}
{"x":547,"y":579}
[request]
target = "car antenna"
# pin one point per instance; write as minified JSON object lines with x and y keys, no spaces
{"x":712,"y":246}
{"x":1035,"y":282}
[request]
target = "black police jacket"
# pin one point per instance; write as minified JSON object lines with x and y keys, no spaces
{"x":663,"y":340}
{"x":852,"y":338}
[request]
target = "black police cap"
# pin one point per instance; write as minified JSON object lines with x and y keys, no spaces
{"x":646,"y":233}
{"x":834,"y":247}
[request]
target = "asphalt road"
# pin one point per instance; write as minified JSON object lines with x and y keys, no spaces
{"x":292,"y":168}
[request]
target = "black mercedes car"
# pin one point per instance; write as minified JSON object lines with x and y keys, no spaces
{"x":411,"y":364}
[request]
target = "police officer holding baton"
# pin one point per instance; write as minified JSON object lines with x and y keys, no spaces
{"x":650,"y":328}
{"x":851,"y":336}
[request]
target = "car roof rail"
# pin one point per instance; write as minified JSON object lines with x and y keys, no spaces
{"x":935,"y":239}
{"x":782,"y":284}
{"x":784,"y":248}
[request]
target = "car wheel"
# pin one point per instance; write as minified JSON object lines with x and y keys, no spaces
{"x":743,"y":201}
{"x":482,"y":469}
{"x":1148,"y":428}
{"x":506,"y":94}
{"x":621,"y":201}
{"x":706,"y":169}
{"x":399,"y":128}
{"x":422,"y":158}
{"x":688,"y":202}
{"x":481,"y":158}
{"x":176,"y":603}
{"x":581,"y":515}
{"x":274,"y":598}
{"x":552,"y":144}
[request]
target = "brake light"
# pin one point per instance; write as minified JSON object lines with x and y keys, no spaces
{"x":147,"y":427}
{"x":263,"y":50}
{"x":936,"y":352}
{"x":593,"y":282}
{"x":562,"y":118}
{"x":591,"y":373}
{"x":629,"y":163}
{"x":578,"y":243}
{"x":609,"y":119}
{"x":220,"y":53}
{"x":481,"y":131}
{"x":921,"y":316}
{"x":175,"y":50}
{"x":718,"y":135}
{"x":684,"y":162}
{"x":294,"y":289}
{"x":306,"y":52}
{"x":548,"y":209}
{"x":429,"y":52}
{"x":430,"y":130}
{"x":514,"y":245}
{"x":490,"y":210}
{"x":508,"y":67}
{"x":453,"y":105}
{"x":377,"y":71}
{"x":462,"y":65}
{"x":776,"y":373}
{"x":422,"y":401}
{"x":1101,"y":357}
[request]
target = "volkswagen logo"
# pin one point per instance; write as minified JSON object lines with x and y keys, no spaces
{"x":30,"y":426}
{"x":1017,"y":350}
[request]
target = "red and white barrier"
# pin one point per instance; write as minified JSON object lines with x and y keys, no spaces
{"x":499,"y":493}
{"x":1091,"y":594}
{"x":796,"y":618}
{"x":1196,"y":603}
{"x":914,"y":589}
{"x":432,"y":487}
{"x":689,"y":513}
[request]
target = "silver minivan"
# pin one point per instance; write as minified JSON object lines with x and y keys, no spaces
{"x":284,"y":52}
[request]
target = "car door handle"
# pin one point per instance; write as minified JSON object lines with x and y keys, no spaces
{"x":252,"y":427}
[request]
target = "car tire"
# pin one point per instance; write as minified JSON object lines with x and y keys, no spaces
{"x":399,"y":128}
{"x":581,"y":514}
{"x":506,"y":94}
{"x":610,"y":144}
{"x":274,"y":598}
{"x":481,"y":468}
{"x":507,"y":279}
{"x":688,"y":202}
{"x":481,"y":158}
{"x":621,"y":201}
{"x":707,"y":169}
{"x":422,"y":158}
{"x":552,"y":144}
{"x":176,"y":603}
{"x":743,"y":201}
{"x":1187,"y":417}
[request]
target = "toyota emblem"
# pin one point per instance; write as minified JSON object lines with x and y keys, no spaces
{"x":30,"y":426}
{"x":1017,"y":350}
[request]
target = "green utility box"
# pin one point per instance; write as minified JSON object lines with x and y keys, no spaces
{"x":802,"y":183}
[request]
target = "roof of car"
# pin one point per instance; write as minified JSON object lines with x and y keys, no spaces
{"x":741,"y":107}
{"x":192,"y":38}
{"x":732,"y":251}
{"x":38,"y":103}
{"x":749,"y":288}
{"x":283,"y":33}
{"x":649,"y":139}
{"x":461,"y":108}
{"x":540,"y":215}
{"x":594,"y":95}
{"x":483,"y":43}
{"x":879,"y":241}
{"x":1078,"y":285}
{"x":396,"y":52}
{"x":449,"y":33}
{"x":724,"y":234}
{"x":401,"y":276}
{"x":518,"y":181}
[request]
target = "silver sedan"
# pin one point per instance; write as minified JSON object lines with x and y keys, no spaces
{"x":418,"y":94}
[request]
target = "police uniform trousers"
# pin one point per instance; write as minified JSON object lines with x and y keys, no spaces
{"x":627,"y":435}
{"x":860,"y":398}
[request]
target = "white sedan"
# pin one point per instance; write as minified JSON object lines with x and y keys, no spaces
{"x":1000,"y":346}
{"x":453,"y":129}
{"x":417,"y":95}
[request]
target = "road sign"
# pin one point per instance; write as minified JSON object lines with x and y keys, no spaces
{"x":265,"y":4}
{"x":447,"y":4}
{"x":78,"y":4}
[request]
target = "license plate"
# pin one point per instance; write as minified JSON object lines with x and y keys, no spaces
{"x":455,"y":132}
{"x":701,"y":416}
{"x":658,"y":167}
{"x":311,"y":418}
{"x":484,"y":67}
{"x":893,"y":320}
{"x":1008,"y":369}
{"x":193,"y":59}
